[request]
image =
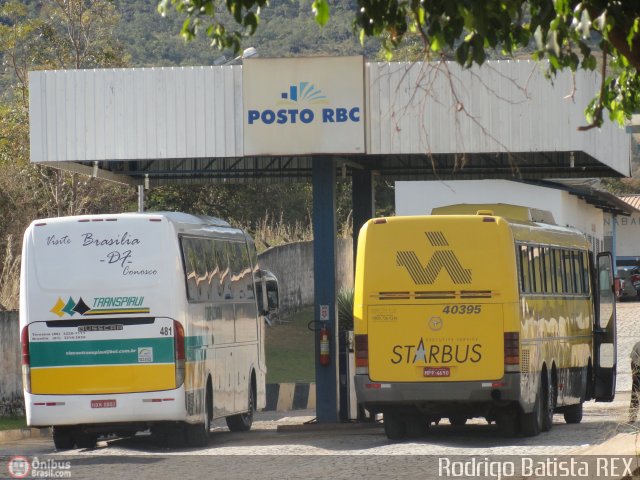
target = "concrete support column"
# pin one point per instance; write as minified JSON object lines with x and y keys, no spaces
{"x":324,"y":280}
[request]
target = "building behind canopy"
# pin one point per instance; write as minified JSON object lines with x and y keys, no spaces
{"x":573,"y":204}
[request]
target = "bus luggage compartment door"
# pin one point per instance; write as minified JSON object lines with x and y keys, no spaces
{"x":446,"y":342}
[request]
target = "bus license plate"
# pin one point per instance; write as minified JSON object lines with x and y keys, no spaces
{"x":103,"y":403}
{"x":436,"y":371}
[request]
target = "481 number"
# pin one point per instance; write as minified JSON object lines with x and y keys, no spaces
{"x":462,"y":309}
{"x":166,"y":331}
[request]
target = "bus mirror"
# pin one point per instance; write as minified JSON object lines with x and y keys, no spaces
{"x":605,"y":274}
{"x":268,"y":297}
{"x":273,"y":300}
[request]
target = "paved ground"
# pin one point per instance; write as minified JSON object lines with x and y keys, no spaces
{"x":273,"y":450}
{"x":628,"y":334}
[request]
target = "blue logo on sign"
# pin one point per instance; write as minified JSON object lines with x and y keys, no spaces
{"x":304,"y":93}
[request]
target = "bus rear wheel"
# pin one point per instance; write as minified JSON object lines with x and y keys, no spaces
{"x":548,"y":404}
{"x":416,"y":426}
{"x":531,"y":423}
{"x":457,"y":420}
{"x":85,"y":439}
{"x":573,"y":413}
{"x":507,"y":421}
{"x":63,"y":438}
{"x":394,"y":426}
{"x":198,"y":433}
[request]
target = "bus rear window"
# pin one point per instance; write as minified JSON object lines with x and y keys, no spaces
{"x":74,"y":256}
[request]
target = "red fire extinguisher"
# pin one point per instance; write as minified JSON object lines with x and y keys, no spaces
{"x":324,"y":345}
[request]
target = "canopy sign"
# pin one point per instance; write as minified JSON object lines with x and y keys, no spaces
{"x":299,"y":106}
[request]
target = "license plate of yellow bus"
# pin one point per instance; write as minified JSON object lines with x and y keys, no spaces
{"x":436,"y":372}
{"x":103,"y":403}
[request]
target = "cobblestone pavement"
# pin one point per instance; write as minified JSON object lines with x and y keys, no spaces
{"x":341,"y":451}
{"x":279,"y":446}
{"x":628,"y":314}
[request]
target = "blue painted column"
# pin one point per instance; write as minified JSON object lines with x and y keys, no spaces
{"x":324,"y":281}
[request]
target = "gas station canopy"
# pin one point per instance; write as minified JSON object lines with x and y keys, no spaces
{"x":265,"y":120}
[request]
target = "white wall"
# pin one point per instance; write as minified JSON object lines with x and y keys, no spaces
{"x":292,"y":264}
{"x":420,"y":197}
{"x":627,"y":235}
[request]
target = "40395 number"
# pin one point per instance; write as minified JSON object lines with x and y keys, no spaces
{"x":462,"y":309}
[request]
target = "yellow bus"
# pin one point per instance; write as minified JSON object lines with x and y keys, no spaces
{"x":481,"y":311}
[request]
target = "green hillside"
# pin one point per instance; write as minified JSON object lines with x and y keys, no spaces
{"x":287,"y":28}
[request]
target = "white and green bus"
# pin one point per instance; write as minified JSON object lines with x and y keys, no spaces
{"x":141,"y":320}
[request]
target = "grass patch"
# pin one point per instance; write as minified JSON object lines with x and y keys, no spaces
{"x":289,"y":350}
{"x":11,"y":423}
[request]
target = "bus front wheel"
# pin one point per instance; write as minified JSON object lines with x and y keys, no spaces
{"x":243,"y":421}
{"x":198,"y":433}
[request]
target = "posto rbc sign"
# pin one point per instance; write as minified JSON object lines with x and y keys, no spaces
{"x":298,"y":106}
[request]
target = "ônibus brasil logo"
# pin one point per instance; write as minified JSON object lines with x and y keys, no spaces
{"x":307,"y":94}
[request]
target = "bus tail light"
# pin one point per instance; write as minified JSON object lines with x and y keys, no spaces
{"x":178,"y":338}
{"x":362,"y":354}
{"x":26,"y":359}
{"x":511,"y":352}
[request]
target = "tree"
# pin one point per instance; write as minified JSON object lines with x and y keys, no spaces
{"x":45,"y":35}
{"x":79,"y":34}
{"x":570,"y":34}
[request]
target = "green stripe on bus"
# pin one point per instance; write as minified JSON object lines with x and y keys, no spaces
{"x":101,"y":352}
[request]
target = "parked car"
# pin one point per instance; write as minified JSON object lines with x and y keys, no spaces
{"x":635,"y":278}
{"x":628,"y":276}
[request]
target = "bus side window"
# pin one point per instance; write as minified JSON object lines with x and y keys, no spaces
{"x":217,"y":281}
{"x":209,"y":250}
{"x":222,"y":247}
{"x":577,"y":270}
{"x":536,"y":269}
{"x":568,"y":274}
{"x":548,"y":271}
{"x":525,"y":284}
{"x":235,"y":262}
{"x":585,"y":272}
{"x":559,"y":271}
{"x":189,"y":256}
{"x":247,"y":277}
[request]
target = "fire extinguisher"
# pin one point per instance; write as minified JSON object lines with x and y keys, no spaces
{"x":324,"y":345}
